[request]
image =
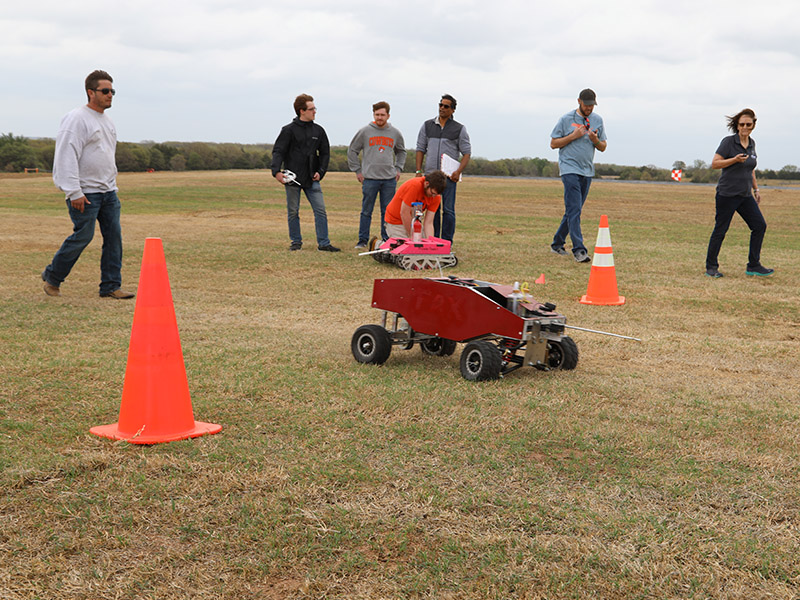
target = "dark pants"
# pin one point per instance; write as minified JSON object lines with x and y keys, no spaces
{"x":104,"y":210}
{"x":747,"y":207}
{"x":446,"y":214}
{"x":370,"y":188}
{"x":576,"y":188}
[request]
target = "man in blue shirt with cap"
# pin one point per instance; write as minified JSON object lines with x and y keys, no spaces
{"x":576,"y":136}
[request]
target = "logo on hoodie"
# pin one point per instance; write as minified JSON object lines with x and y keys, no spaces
{"x":382,"y":141}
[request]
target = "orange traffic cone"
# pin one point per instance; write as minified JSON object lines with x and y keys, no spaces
{"x":156,"y":406}
{"x":602,"y":288}
{"x":540,"y":279}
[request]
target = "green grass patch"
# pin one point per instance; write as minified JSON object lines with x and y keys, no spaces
{"x":662,"y":469}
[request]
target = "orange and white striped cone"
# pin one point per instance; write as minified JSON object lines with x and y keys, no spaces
{"x":602,"y":289}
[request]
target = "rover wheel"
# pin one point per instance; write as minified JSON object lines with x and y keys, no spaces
{"x":480,"y":361}
{"x":438,"y":346}
{"x":371,"y":344}
{"x":563,"y":354}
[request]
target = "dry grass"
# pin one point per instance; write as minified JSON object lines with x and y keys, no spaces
{"x":666,"y":469}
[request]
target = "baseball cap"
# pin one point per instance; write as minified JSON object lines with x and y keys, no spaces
{"x":588,"y":96}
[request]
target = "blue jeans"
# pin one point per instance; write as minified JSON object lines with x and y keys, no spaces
{"x":370,"y":189}
{"x":576,"y":188}
{"x":314,"y":195}
{"x":448,"y":212}
{"x":104,"y":209}
{"x":747,"y":207}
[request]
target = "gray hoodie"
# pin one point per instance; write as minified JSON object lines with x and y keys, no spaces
{"x":383,"y":152}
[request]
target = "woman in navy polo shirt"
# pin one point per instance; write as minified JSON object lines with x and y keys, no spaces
{"x":737,"y":191}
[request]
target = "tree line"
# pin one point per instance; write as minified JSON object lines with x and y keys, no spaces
{"x":18,"y":153}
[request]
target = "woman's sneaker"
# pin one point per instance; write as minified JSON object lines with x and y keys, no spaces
{"x":713,"y":273}
{"x":759,"y":270}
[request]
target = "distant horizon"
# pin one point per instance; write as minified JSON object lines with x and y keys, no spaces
{"x":551,"y":159}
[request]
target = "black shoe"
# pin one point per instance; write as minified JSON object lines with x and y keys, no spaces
{"x":296,"y":246}
{"x":118,"y":294}
{"x":713,"y":273}
{"x":759,"y":270}
{"x":328,"y":248}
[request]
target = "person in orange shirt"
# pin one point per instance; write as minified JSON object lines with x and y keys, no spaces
{"x":400,"y":212}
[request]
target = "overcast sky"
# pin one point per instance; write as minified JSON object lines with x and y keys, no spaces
{"x":666,"y":72}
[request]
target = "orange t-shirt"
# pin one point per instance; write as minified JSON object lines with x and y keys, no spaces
{"x":412,"y":190}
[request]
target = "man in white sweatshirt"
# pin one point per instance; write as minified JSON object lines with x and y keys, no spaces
{"x":383,"y":155}
{"x":85,"y":170}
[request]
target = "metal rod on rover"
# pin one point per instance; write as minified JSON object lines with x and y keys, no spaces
{"x":626,"y":337}
{"x":375,"y":251}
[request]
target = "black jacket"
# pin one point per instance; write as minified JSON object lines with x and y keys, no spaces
{"x":302,"y":147}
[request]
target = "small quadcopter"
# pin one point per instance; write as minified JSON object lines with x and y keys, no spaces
{"x":289,"y":177}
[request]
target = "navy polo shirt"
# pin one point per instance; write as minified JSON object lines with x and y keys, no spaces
{"x":737,"y":179}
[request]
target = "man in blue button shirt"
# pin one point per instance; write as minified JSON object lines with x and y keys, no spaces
{"x":576,"y":136}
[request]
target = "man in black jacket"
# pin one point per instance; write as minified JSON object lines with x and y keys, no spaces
{"x":302,"y":147}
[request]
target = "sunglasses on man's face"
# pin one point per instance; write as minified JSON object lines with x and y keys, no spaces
{"x":111,"y":91}
{"x":441,"y":105}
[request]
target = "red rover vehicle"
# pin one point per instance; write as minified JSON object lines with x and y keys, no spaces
{"x":503,"y":329}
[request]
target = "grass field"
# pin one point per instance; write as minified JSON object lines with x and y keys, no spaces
{"x":663,"y":469}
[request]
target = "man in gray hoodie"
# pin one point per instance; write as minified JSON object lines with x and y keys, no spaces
{"x":383,"y":155}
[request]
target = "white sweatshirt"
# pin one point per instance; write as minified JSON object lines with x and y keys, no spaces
{"x":84,"y":158}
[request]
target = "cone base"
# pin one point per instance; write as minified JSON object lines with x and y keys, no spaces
{"x":603,"y":302}
{"x":112,"y":432}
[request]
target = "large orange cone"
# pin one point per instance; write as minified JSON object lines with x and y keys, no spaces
{"x":602,"y":288}
{"x":156,"y":406}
